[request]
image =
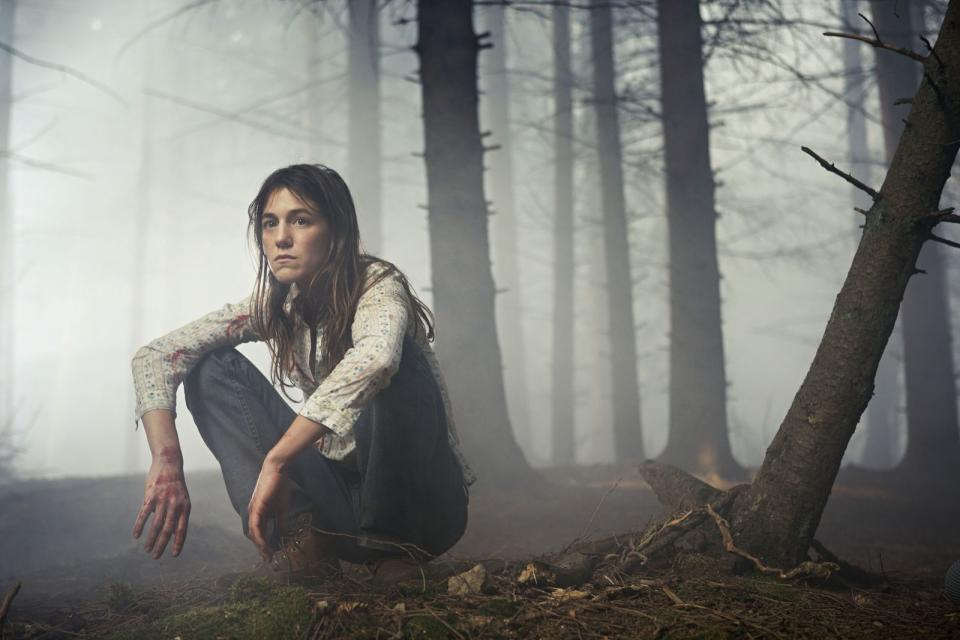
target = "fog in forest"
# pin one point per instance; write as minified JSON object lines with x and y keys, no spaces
{"x":688,"y":211}
{"x":140,"y":131}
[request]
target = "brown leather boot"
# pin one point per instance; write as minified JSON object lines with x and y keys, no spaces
{"x":304,"y":556}
{"x":394,"y":570}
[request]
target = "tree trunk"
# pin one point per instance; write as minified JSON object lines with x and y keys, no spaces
{"x":933,"y":438}
{"x":7,"y":263}
{"x":459,"y":248}
{"x":564,"y":446}
{"x":363,"y":151}
{"x":854,"y":90}
{"x":626,"y":393}
{"x":597,"y":414}
{"x":698,"y":440}
{"x":312,"y":114}
{"x":779,"y":513}
{"x":503,"y":223}
{"x":881,"y":422}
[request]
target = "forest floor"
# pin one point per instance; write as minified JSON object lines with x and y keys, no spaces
{"x":67,"y":542}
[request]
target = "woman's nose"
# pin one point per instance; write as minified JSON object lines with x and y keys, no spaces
{"x":284,"y":238}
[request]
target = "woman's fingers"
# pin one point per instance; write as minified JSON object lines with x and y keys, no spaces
{"x":166,"y":533}
{"x":180,"y":536}
{"x":256,"y":522}
{"x":159,"y":516}
{"x":145,"y":509}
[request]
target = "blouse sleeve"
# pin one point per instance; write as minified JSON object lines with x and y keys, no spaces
{"x":367,"y":367}
{"x":160,"y":366}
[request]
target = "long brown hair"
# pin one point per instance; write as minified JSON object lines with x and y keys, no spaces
{"x":334,"y":291}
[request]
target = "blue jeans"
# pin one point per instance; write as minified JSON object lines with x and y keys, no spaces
{"x":404,"y":494}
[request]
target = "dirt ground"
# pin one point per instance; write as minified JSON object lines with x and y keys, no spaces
{"x":68,"y":543}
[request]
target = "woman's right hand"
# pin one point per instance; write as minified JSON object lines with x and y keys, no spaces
{"x":166,"y":497}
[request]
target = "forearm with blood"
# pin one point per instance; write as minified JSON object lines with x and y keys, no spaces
{"x":162,"y":437}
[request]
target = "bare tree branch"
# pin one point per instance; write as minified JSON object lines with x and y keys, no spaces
{"x":829,"y":166}
{"x":227,"y":115}
{"x":37,"y":164}
{"x":949,"y":243}
{"x":79,"y":75}
{"x":190,"y":6}
{"x":879,"y":44}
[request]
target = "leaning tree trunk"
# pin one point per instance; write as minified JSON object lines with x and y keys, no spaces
{"x":363,"y":151}
{"x":628,"y":435}
{"x":778,"y":514}
{"x":564,"y":446}
{"x":463,"y":290}
{"x":504,"y":228}
{"x":7,"y":278}
{"x":933,"y":439}
{"x":697,"y":439}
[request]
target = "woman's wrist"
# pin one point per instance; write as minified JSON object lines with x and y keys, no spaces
{"x":275,"y":461}
{"x":301,"y":434}
{"x":169,"y":455}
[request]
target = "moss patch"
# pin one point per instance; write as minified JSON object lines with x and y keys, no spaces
{"x":253,"y":613}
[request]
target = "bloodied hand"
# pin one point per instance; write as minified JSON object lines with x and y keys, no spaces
{"x":166,"y":497}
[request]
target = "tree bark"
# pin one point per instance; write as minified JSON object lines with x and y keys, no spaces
{"x":628,"y":435}
{"x":503,"y":224}
{"x":698,"y":439}
{"x":779,"y":513}
{"x":933,"y":435}
{"x":463,"y":288}
{"x":564,"y":446}
{"x":363,"y":151}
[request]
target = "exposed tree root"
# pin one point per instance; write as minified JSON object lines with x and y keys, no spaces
{"x":804,"y":569}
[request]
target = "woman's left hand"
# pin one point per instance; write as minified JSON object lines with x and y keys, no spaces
{"x":270,"y":500}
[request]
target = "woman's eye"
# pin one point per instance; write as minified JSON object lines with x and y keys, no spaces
{"x":302,"y":220}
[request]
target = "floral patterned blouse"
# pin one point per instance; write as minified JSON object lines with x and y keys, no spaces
{"x":337,"y":397}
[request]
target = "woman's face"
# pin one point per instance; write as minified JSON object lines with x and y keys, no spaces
{"x":296,"y":240}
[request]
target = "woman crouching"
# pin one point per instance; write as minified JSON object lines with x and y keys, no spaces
{"x":369,"y":470}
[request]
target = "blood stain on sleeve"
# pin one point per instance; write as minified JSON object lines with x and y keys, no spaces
{"x":236,"y":325}
{"x":175,"y":358}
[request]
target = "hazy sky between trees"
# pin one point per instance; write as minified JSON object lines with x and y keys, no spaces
{"x":210,"y":102}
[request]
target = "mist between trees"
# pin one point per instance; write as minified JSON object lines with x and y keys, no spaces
{"x":628,"y":253}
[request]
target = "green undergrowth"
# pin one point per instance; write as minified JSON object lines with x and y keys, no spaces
{"x":253,"y":610}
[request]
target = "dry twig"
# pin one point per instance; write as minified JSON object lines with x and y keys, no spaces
{"x":832,"y":168}
{"x":879,"y":44}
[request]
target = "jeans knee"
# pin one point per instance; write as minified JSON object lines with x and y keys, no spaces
{"x":211,"y":370}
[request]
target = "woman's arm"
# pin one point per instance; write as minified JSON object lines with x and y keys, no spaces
{"x":160,"y":366}
{"x":377,"y":331}
{"x":158,"y":369}
{"x":270,"y":495}
{"x":378,"y":327}
{"x":165,"y":493}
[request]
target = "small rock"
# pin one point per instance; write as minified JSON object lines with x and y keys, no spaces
{"x":537,"y":574}
{"x":472,"y":582}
